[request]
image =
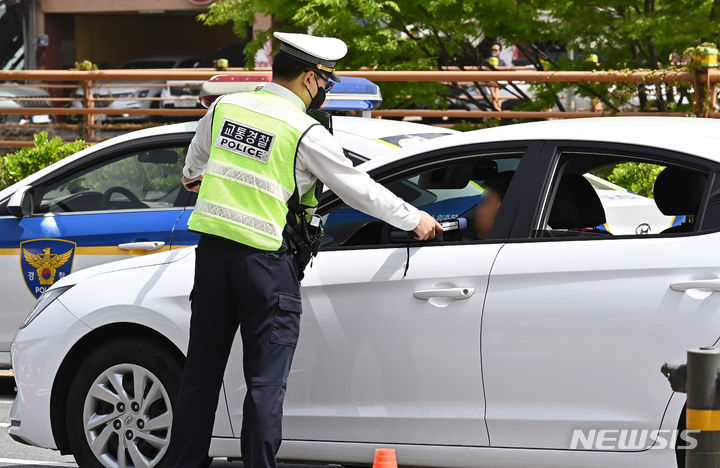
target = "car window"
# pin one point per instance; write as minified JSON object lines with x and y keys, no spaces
{"x":597,"y":195}
{"x":447,"y":192}
{"x":146,"y":179}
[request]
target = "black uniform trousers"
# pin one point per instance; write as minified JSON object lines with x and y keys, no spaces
{"x":236,"y":285}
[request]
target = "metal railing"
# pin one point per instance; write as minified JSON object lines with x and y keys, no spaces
{"x":704,"y":85}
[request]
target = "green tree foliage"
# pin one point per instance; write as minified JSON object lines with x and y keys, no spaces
{"x":636,"y":177}
{"x":22,"y":163}
{"x":410,"y":35}
{"x":391,"y":35}
{"x":635,"y":34}
{"x":630,"y":35}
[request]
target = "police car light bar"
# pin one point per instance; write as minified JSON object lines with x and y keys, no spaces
{"x":218,"y":85}
{"x":351,"y":94}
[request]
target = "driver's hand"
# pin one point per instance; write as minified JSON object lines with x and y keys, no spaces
{"x":196,"y":188}
{"x":428,"y":227}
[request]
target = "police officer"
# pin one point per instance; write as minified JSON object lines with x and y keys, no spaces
{"x":258,"y":156}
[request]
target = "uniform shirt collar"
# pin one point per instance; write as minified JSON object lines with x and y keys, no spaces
{"x":283,"y":92}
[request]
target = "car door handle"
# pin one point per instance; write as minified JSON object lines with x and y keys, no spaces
{"x":452,"y":293}
{"x":146,"y":245}
{"x":711,"y":284}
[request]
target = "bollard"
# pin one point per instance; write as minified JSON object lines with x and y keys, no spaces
{"x":699,"y":379}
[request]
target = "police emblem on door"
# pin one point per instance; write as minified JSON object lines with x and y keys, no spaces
{"x":44,"y":261}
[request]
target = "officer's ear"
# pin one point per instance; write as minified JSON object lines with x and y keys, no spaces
{"x":307,"y":78}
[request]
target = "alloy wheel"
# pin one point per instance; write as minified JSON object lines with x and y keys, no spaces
{"x":127,"y":416}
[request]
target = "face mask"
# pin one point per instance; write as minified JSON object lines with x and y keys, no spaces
{"x":317,"y":100}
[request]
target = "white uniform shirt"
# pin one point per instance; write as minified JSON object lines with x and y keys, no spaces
{"x":319,"y":156}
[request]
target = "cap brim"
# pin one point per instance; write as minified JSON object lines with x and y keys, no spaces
{"x":330,"y":75}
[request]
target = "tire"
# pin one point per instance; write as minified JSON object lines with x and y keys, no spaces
{"x":125,"y":430}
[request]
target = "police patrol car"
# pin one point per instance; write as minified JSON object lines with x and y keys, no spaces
{"x":122,"y":197}
{"x":456,"y":352}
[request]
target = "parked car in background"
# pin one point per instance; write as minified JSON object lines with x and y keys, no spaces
{"x":181,"y":94}
{"x":18,"y":98}
{"x":124,"y":93}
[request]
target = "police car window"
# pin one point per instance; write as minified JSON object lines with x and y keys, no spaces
{"x":146,"y":179}
{"x":449,"y":192}
{"x":599,"y":196}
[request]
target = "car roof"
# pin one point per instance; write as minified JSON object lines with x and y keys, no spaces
{"x":695,"y":136}
{"x":380,"y":128}
{"x":372,"y":138}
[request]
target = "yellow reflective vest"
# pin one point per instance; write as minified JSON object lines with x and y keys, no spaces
{"x":250,"y":175}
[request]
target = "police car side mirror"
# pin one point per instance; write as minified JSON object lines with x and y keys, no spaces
{"x":20,"y":203}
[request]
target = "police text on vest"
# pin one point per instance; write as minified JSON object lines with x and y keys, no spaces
{"x":245,"y":140}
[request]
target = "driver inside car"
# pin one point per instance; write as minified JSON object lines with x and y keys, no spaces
{"x":489,"y":205}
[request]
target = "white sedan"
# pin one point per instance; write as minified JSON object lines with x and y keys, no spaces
{"x":515,"y":350}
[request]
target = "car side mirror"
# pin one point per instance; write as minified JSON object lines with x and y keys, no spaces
{"x":20,"y":203}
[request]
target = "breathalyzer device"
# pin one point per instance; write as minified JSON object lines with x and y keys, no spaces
{"x":454,"y":224}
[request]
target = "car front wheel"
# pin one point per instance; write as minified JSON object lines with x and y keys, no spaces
{"x":119,"y":409}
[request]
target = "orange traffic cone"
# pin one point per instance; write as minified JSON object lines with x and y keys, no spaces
{"x":385,"y":458}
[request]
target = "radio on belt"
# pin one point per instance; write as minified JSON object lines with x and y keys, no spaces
{"x":316,"y":221}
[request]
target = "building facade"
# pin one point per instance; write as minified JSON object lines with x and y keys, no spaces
{"x":112,"y":32}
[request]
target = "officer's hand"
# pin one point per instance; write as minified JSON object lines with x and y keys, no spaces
{"x":427,"y":228}
{"x":195,"y":188}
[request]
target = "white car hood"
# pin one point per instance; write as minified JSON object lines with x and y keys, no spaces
{"x":159,"y":258}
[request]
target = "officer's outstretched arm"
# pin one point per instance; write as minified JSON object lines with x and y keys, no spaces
{"x":320,"y":154}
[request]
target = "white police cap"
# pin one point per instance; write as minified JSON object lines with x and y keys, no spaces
{"x":315,"y":51}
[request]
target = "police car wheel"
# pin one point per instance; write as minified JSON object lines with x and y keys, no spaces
{"x":119,"y":409}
